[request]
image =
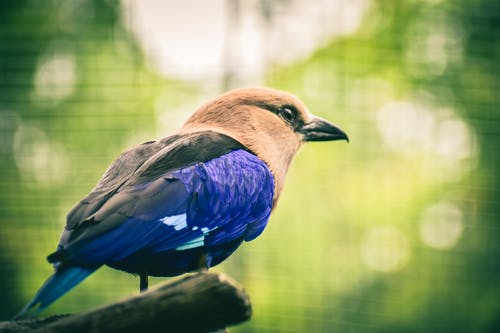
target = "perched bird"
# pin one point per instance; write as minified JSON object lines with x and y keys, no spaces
{"x":187,"y":201}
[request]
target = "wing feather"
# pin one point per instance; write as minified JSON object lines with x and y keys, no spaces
{"x":200,"y":204}
{"x":148,"y":162}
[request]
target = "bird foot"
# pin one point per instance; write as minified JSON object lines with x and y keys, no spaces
{"x":143,"y":282}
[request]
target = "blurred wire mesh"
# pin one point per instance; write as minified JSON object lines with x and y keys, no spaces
{"x":395,"y":232}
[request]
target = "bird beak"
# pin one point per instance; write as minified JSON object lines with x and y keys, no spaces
{"x":321,"y":130}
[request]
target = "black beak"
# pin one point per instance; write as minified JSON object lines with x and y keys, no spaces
{"x":321,"y":130}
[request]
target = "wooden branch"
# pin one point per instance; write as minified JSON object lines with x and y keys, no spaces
{"x":202,"y":302}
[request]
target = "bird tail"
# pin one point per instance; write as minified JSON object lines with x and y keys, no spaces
{"x":59,"y":283}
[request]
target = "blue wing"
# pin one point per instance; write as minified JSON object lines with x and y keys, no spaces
{"x":161,"y":207}
{"x":163,"y":226}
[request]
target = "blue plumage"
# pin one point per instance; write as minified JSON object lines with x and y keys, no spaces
{"x":163,"y":227}
{"x":56,"y":285}
{"x":226,"y":199}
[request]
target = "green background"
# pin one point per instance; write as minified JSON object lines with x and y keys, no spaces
{"x":396,"y":231}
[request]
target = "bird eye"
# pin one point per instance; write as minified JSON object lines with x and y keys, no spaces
{"x":287,"y":114}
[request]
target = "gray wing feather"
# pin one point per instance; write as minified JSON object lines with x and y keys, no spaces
{"x":116,"y":175}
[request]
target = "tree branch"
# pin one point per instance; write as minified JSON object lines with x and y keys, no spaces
{"x":202,"y":302}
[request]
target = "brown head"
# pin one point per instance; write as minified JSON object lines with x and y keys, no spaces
{"x":271,"y":123}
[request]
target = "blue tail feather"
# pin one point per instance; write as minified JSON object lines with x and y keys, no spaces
{"x":59,"y":283}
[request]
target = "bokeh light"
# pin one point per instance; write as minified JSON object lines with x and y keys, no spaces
{"x":433,"y":44}
{"x":406,"y":127}
{"x":55,"y":78}
{"x":37,"y":158}
{"x":385,"y":249}
{"x":441,"y":225}
{"x":396,"y":231}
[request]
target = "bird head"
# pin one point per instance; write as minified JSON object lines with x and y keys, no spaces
{"x":271,"y":123}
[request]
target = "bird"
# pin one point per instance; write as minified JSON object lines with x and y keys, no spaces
{"x":187,"y":201}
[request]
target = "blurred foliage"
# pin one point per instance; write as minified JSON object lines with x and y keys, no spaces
{"x":395,"y":232}
{"x":75,"y":91}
